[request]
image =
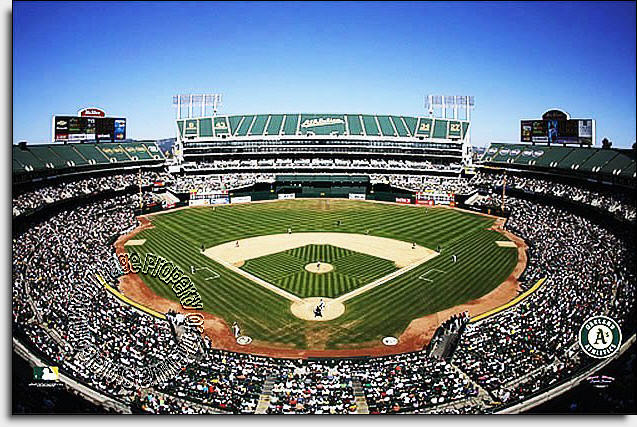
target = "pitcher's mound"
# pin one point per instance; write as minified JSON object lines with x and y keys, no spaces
{"x":319,"y":268}
{"x":305,"y":309}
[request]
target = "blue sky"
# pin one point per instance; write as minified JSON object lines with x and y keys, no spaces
{"x":517,"y":60}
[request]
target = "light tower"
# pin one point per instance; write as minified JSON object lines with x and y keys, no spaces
{"x":457,"y":104}
{"x":192,"y":106}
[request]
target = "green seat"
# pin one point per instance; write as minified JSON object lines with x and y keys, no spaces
{"x":371,"y":128}
{"x":48,"y":157}
{"x":354,"y":125}
{"x":290,"y":124}
{"x":412,"y":123}
{"x":258,"y":127}
{"x":575,"y":159}
{"x":386,"y":127}
{"x":29,"y":162}
{"x":400,"y":126}
{"x":153,"y":151}
{"x":274,"y":126}
{"x":245,"y":125}
{"x":69,"y":153}
{"x":91,"y":153}
{"x":114,"y":152}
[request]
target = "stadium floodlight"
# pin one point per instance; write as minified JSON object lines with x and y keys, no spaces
{"x":194,"y":104}
{"x":453,"y":102}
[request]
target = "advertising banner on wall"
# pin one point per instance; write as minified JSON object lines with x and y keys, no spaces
{"x":403,"y":200}
{"x":284,"y":196}
{"x":241,"y":199}
{"x":356,"y":196}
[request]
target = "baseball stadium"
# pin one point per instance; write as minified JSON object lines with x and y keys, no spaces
{"x":322,"y":208}
{"x":320,"y":264}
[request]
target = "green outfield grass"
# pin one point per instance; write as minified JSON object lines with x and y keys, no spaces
{"x":386,"y":310}
{"x":287,"y":270}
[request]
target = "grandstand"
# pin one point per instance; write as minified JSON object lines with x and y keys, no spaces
{"x":53,"y":160}
{"x":598,"y":164}
{"x":324,"y":143}
{"x":83,"y":197}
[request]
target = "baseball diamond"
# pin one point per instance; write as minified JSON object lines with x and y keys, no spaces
{"x":383,"y":310}
{"x":361,"y":210}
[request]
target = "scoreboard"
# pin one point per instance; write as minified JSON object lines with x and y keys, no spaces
{"x":91,"y":124}
{"x":207,"y":198}
{"x":433,"y":198}
{"x":556,"y":127}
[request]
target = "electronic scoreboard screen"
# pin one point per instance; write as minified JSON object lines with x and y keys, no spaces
{"x":553,"y":131}
{"x":74,"y":128}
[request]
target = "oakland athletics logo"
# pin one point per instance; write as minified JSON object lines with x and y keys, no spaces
{"x":600,"y":337}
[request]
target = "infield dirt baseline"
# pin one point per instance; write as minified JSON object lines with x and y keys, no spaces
{"x":406,"y":256}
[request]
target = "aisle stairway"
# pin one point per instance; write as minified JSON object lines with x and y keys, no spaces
{"x":264,"y":399}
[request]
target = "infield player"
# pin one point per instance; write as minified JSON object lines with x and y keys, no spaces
{"x":236,"y":331}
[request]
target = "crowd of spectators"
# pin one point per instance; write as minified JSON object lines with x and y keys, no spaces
{"x":412,"y":383}
{"x":46,"y":193}
{"x":441,"y":184}
{"x":213,"y":182}
{"x":589,"y":271}
{"x":312,"y":388}
{"x":620,"y":204}
{"x":334,"y":163}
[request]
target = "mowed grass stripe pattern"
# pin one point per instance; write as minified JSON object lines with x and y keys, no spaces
{"x":386,"y":310}
{"x":287,"y":270}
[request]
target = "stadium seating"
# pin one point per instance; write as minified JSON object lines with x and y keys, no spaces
{"x":56,"y":159}
{"x":320,"y":124}
{"x":596,"y":163}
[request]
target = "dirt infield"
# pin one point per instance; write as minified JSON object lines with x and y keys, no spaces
{"x":132,"y":242}
{"x":415,"y":337}
{"x":401,"y":253}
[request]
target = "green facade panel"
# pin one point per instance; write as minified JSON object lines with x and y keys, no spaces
{"x":205,"y":127}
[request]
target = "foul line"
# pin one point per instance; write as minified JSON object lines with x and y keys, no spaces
{"x":379,"y":282}
{"x":511,"y":303}
{"x":422,"y":276}
{"x":259,"y":281}
{"x":129,"y":301}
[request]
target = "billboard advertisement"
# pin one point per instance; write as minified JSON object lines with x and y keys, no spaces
{"x":539,"y":131}
{"x":88,"y":128}
{"x":119,"y":129}
{"x":526,"y":131}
